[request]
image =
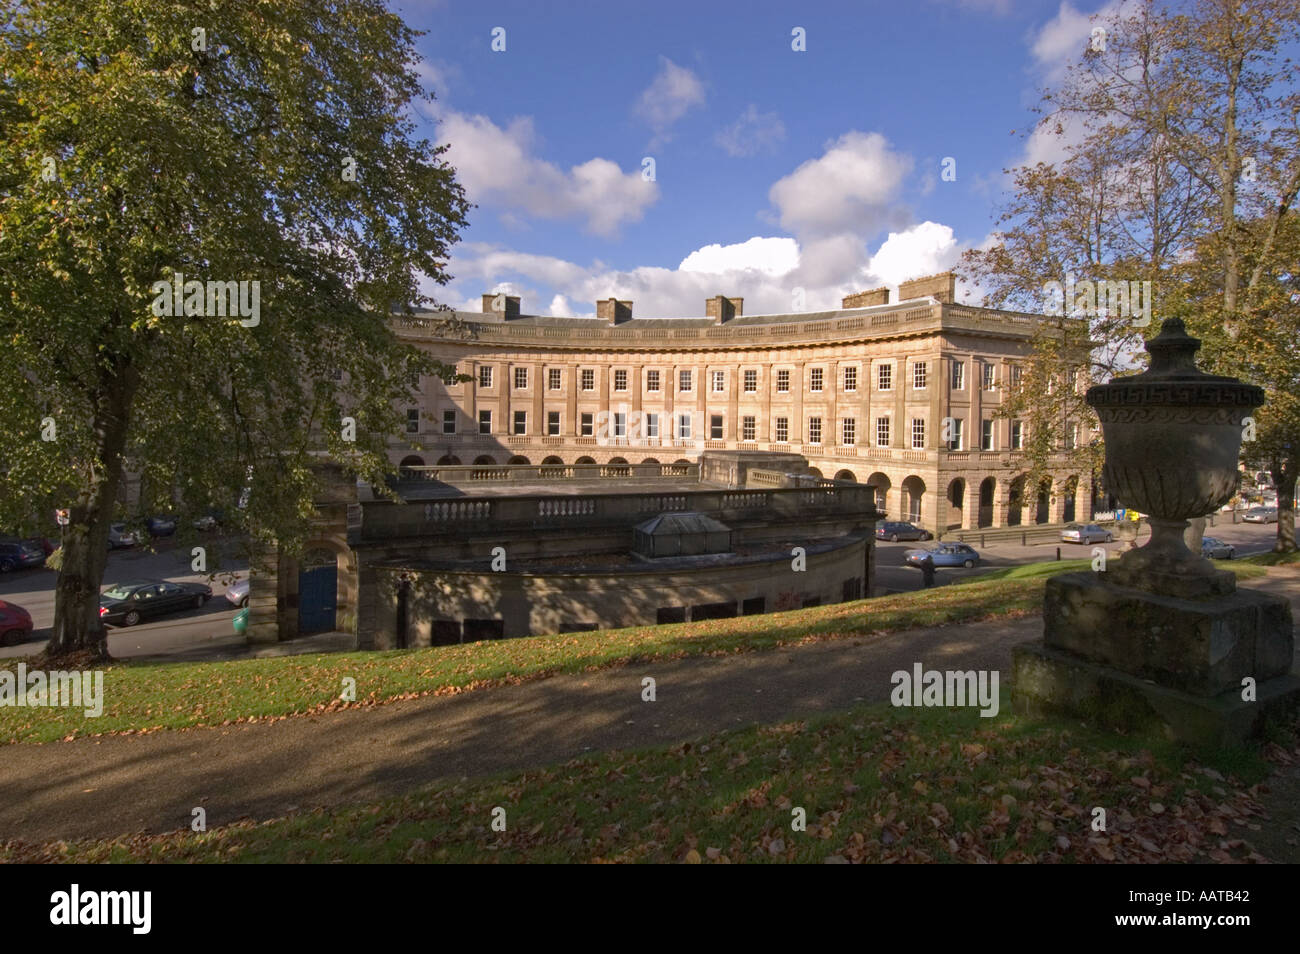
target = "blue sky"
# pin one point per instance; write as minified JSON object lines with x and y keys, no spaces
{"x":774,"y":170}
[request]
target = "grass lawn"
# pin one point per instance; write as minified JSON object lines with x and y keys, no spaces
{"x":1040,"y":571}
{"x":1272,"y":559}
{"x":875,"y":784}
{"x":152,"y":696}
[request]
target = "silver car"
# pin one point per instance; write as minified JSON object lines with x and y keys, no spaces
{"x":1215,"y":549}
{"x":1261,"y":515}
{"x":1086,"y":533}
{"x":237,"y":593}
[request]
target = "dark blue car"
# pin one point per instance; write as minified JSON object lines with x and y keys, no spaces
{"x":945,"y":554}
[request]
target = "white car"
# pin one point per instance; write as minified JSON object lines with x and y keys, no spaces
{"x":237,"y":593}
{"x":119,"y":536}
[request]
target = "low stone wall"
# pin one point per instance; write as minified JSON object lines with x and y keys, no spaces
{"x":440,"y":602}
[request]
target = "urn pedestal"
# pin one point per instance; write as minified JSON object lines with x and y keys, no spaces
{"x":1161,"y":638}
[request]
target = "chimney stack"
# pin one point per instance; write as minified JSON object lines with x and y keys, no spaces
{"x":942,"y":287}
{"x":499,"y":303}
{"x":614,"y":311}
{"x":721,"y":308}
{"x":876,"y":296}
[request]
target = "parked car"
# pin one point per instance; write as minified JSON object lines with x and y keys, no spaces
{"x":128,"y":603}
{"x":161,"y":525}
{"x":945,"y":554}
{"x":19,"y":554}
{"x":1261,"y":515}
{"x":1086,"y":533}
{"x":895,"y":530}
{"x":237,"y":593}
{"x":1216,"y":549}
{"x":210,"y":520}
{"x":15,"y":624}
{"x":240,"y":622}
{"x":44,"y":544}
{"x":119,"y":536}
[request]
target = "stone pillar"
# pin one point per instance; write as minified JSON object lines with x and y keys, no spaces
{"x":264,"y":597}
{"x":1001,"y":506}
{"x":970,"y":511}
{"x":798,"y":426}
{"x":1083,"y":500}
{"x":571,"y":384}
{"x":537,"y":427}
{"x":1056,"y":505}
{"x":765,"y":385}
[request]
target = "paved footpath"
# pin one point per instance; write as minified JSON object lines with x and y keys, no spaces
{"x":121,"y":784}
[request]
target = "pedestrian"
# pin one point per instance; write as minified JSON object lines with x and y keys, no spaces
{"x":927,"y":570}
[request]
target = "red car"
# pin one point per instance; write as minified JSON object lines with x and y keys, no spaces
{"x":15,"y":624}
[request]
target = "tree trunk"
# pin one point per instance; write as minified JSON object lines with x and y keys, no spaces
{"x":77,"y":626}
{"x":1284,"y":479}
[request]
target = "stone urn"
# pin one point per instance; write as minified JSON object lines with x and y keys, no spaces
{"x":1173,"y":435}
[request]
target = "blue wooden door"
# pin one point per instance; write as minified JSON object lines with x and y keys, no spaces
{"x":317,"y":595}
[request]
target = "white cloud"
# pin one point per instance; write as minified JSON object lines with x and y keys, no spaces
{"x":497,"y":167}
{"x":763,"y":271}
{"x":923,"y":249}
{"x":752,"y":133}
{"x":670,"y":95}
{"x":771,"y":256}
{"x":852,"y":187}
{"x":1061,"y":40}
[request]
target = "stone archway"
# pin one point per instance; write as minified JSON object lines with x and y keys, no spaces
{"x":988,"y":493}
{"x":448,"y":460}
{"x":518,"y":459}
{"x":553,"y":461}
{"x":956,"y":503}
{"x":881,"y":484}
{"x":1016,"y":501}
{"x":583,"y":460}
{"x":651,"y":460}
{"x":846,"y":475}
{"x":1043,"y":502}
{"x":410,"y":460}
{"x":485,"y":459}
{"x":913,"y":499}
{"x":815,"y":472}
{"x":1071,"y":495}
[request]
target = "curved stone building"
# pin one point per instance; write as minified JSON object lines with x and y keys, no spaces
{"x":898,"y":395}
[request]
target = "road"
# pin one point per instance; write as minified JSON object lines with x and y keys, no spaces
{"x":892,"y":576}
{"x":195,"y":628}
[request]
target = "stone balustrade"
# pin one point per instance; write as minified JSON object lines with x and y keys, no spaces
{"x":383,"y":520}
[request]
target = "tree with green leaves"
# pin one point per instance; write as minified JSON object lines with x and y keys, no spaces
{"x":1178,"y":126}
{"x":208,"y":214}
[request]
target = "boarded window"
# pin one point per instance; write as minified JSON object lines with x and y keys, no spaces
{"x":476,"y":629}
{"x":444,"y":632}
{"x":670,"y":614}
{"x":713,"y":611}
